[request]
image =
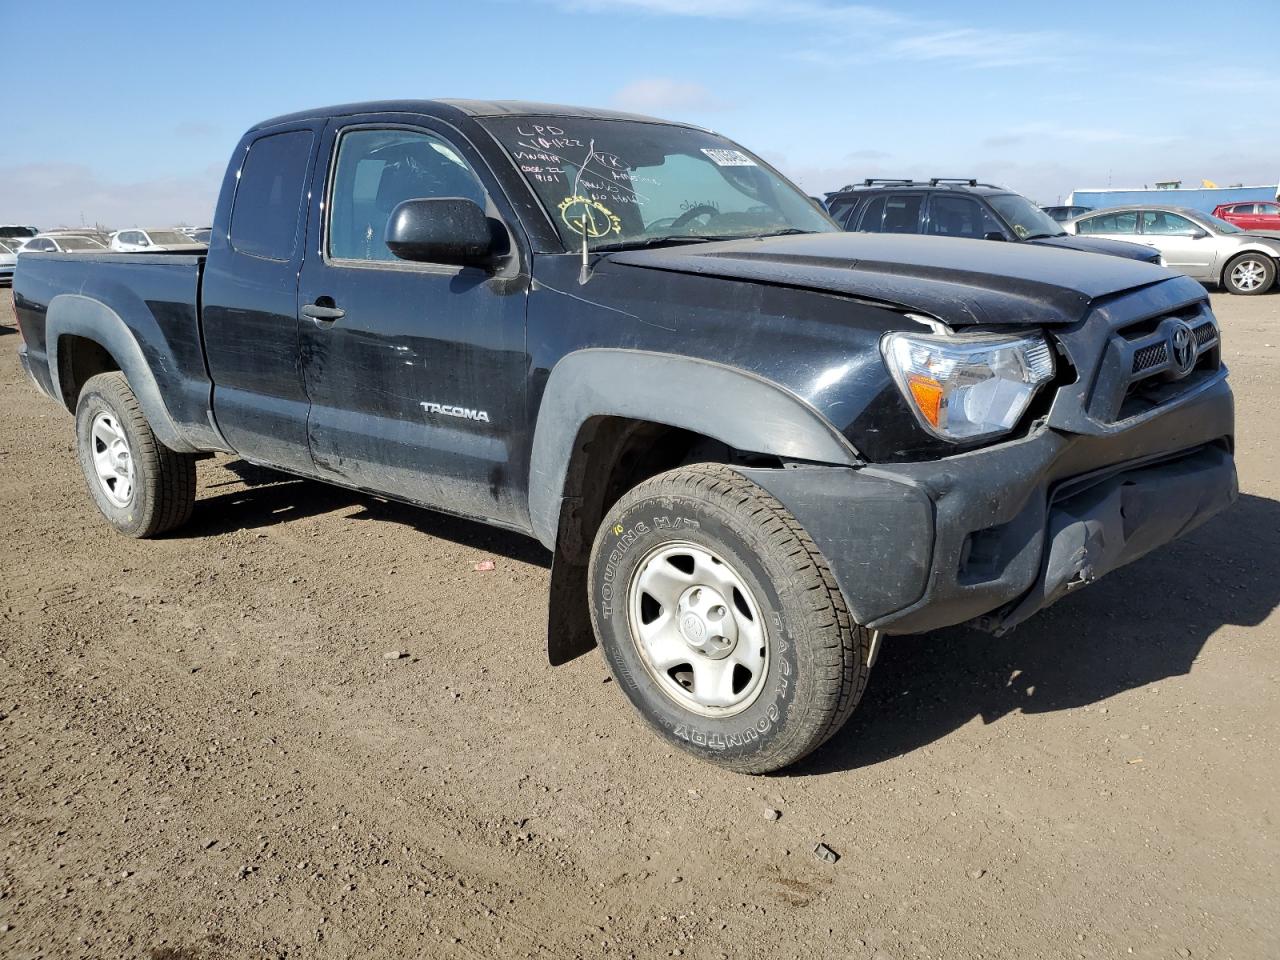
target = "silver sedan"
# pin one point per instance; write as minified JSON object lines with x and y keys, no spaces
{"x":1197,"y":244}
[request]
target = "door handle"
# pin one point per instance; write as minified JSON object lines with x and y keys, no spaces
{"x":323,"y":311}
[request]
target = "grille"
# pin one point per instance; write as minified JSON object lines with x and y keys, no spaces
{"x":1150,"y":356}
{"x":1205,"y":333}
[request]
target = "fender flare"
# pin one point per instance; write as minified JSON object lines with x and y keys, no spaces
{"x":740,"y":409}
{"x":72,"y":314}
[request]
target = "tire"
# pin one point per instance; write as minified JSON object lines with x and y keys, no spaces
{"x":141,"y":486}
{"x":1249,"y":274}
{"x":699,"y":561}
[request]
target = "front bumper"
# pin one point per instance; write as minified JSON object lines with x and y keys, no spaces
{"x":997,"y":534}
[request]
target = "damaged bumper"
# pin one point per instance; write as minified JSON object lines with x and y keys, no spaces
{"x":995,"y":535}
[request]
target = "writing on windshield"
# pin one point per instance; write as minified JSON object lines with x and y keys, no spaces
{"x":612,"y":181}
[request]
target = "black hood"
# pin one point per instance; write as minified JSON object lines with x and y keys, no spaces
{"x":961,"y":282}
{"x":1114,"y":248}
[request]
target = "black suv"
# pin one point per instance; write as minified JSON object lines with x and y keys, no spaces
{"x":961,"y":208}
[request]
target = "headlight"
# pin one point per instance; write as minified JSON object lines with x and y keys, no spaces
{"x":968,"y":386}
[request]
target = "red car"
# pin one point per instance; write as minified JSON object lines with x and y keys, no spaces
{"x":1255,"y":215}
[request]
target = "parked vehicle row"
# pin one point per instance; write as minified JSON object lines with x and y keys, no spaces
{"x":8,"y":258}
{"x":152,"y":240}
{"x":755,"y":444}
{"x":1197,"y":244}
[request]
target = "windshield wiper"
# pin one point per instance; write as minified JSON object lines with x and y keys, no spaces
{"x":652,"y":242}
{"x":1045,"y":236}
{"x":781,"y":233}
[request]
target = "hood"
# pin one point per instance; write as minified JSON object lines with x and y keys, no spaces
{"x":1114,"y":248}
{"x":961,"y":282}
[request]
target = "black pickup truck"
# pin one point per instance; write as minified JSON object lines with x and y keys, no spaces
{"x":754,"y":443}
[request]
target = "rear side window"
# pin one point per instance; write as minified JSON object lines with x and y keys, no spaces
{"x":872,"y":215}
{"x":1110,"y":223}
{"x":264,"y":220}
{"x":902,"y":214}
{"x":839,"y":209}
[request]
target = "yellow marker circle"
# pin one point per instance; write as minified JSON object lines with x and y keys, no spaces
{"x":589,"y":217}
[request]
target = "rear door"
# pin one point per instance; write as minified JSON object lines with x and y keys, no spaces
{"x":1183,"y":245}
{"x":417,"y":385}
{"x":250,"y":298}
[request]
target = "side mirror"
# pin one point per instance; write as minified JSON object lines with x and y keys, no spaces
{"x":993,"y":235}
{"x":1199,"y":234}
{"x":441,"y":230}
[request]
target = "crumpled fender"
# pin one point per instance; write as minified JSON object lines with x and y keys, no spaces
{"x":738,"y":408}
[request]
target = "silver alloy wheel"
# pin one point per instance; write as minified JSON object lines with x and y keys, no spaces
{"x":698,"y":629}
{"x":112,"y":458}
{"x":1248,"y":275}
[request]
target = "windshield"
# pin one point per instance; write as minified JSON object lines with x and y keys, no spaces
{"x":78,"y":243}
{"x":9,"y":247}
{"x":629,"y":183}
{"x":1216,"y":225}
{"x":167,"y":237}
{"x":1027,"y":220}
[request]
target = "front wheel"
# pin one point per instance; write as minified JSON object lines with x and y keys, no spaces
{"x":141,"y":486}
{"x":1249,"y":274}
{"x":721,"y":621}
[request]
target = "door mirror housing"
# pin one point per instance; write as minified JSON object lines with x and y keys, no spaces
{"x":993,"y":235}
{"x":450,"y":230}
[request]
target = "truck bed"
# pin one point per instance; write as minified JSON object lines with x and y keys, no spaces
{"x":147,"y":302}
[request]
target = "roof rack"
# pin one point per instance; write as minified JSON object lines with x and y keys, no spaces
{"x":872,"y":181}
{"x":967,"y":181}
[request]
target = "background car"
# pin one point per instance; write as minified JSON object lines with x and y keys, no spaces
{"x":8,"y":258}
{"x":1063,"y":214}
{"x":961,"y":208}
{"x":62,"y":243}
{"x":1259,"y":215}
{"x":1197,"y":244}
{"x":16,"y":232}
{"x":202,"y":235}
{"x":154,"y":240}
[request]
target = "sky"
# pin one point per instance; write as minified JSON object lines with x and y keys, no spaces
{"x":125,"y":113}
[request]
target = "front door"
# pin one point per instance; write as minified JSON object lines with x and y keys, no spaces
{"x":415,"y":371}
{"x":1183,"y":245}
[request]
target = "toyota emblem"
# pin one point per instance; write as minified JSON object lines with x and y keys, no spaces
{"x":1182,"y":348}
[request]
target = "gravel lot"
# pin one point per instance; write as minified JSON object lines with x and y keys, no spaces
{"x":205,"y":753}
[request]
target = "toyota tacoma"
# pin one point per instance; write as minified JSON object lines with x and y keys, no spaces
{"x":756,"y":445}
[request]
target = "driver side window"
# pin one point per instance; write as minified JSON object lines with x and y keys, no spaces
{"x":1159,"y":223}
{"x":376,"y":170}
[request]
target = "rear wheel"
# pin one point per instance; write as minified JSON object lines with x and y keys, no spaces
{"x":1249,"y":274}
{"x":721,"y":621}
{"x":141,"y":486}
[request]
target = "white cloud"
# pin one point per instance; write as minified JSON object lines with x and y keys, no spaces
{"x":65,"y":194}
{"x":664,"y":95}
{"x":890,"y":35}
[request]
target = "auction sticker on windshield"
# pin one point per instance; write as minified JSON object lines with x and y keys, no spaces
{"x":728,"y":158}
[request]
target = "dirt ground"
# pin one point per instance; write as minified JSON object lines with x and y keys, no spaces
{"x":204,"y":752}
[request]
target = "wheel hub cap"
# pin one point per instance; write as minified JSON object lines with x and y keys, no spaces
{"x":705,"y":623}
{"x":1248,"y":275}
{"x":112,"y":458}
{"x":698,"y":629}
